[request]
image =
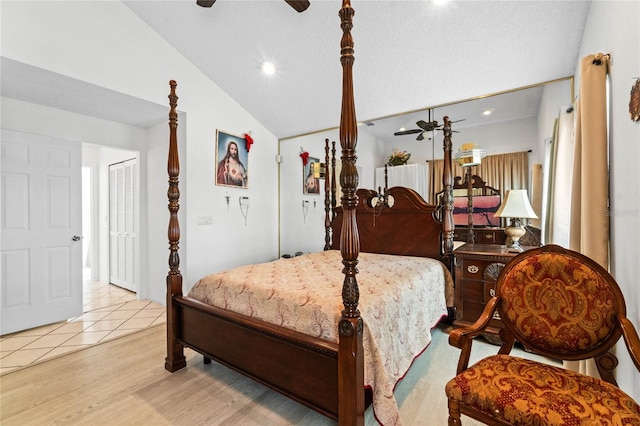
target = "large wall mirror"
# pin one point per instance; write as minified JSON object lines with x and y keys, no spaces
{"x":520,"y":121}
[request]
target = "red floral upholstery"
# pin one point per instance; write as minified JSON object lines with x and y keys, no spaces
{"x":557,"y":303}
{"x":523,"y":392}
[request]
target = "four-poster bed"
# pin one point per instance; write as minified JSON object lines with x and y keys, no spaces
{"x":326,"y":375}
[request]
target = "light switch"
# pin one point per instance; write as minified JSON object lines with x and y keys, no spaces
{"x":205,"y":220}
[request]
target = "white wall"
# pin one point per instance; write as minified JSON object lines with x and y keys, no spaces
{"x":306,"y":233}
{"x":612,"y":27}
{"x":105,"y":44}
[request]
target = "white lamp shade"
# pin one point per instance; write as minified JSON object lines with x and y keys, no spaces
{"x":469,"y":155}
{"x":516,"y":205}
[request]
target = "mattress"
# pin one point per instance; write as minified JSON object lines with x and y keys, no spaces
{"x":401,"y":299}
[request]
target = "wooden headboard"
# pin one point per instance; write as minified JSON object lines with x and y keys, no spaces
{"x":408,"y":228}
{"x":478,"y":186}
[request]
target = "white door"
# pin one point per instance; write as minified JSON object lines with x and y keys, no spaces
{"x":41,"y":222}
{"x":123,"y":216}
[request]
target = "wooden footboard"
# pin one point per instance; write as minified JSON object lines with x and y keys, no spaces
{"x":296,"y":365}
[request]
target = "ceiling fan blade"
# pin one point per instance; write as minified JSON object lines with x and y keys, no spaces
{"x":298,"y":5}
{"x":205,"y":3}
{"x":408,"y":132}
{"x":422,"y":124}
{"x":420,"y":136}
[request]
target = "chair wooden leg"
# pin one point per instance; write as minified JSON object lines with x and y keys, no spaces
{"x":454,"y":413}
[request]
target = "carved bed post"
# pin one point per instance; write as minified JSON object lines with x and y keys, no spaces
{"x":175,"y":352}
{"x":350,"y":353}
{"x":327,"y":198}
{"x":447,"y":197}
{"x":471,"y":239}
{"x":334,"y":187}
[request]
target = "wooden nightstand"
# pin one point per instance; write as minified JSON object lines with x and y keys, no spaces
{"x":477,"y":267}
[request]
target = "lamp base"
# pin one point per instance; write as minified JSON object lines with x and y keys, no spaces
{"x":514,"y":233}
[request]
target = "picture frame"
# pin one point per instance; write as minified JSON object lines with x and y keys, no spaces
{"x":484,"y":208}
{"x":232,"y":160}
{"x":311,"y":177}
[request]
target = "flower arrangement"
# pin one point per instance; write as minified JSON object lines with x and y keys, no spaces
{"x":398,"y":158}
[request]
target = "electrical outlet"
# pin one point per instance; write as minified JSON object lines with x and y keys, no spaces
{"x":205,"y":220}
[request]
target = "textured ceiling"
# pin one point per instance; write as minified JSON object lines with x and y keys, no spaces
{"x":409,"y":54}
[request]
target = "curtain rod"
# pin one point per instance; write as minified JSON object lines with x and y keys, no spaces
{"x":528,"y":151}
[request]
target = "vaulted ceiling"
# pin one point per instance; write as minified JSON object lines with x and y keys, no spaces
{"x":409,"y":54}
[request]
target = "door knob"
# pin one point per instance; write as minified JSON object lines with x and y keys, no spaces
{"x":76,"y":238}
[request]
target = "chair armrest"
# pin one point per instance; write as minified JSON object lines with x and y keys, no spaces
{"x":462,"y":337}
{"x":631,"y":340}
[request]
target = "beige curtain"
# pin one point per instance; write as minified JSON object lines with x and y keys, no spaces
{"x":590,"y":195}
{"x":558,"y":214}
{"x":502,"y":171}
{"x":536,"y":194}
{"x":589,"y":226}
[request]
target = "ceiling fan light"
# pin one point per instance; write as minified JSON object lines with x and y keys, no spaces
{"x":268,"y":68}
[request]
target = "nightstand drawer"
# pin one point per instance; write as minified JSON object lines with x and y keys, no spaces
{"x":483,"y":237}
{"x":489,"y":291}
{"x":472,"y":290}
{"x":473,"y":269}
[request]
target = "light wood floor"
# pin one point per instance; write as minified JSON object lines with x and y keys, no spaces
{"x":123,"y":382}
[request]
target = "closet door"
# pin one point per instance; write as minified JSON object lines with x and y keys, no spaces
{"x":123,"y":226}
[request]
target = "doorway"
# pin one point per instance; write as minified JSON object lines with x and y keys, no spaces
{"x":123,"y":224}
{"x":99,"y":290}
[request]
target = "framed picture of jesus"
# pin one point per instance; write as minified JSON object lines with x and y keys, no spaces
{"x":232,"y":160}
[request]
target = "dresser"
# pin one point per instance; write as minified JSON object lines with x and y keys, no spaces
{"x":476,"y":271}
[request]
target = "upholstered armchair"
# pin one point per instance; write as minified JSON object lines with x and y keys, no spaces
{"x":562,"y":305}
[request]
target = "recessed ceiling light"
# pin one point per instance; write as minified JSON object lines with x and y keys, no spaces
{"x":402,"y":129}
{"x":487,"y":112}
{"x":268,"y":68}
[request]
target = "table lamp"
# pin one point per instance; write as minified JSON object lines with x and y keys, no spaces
{"x":515,"y":206}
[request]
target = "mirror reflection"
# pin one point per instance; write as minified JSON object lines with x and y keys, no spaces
{"x":511,"y":130}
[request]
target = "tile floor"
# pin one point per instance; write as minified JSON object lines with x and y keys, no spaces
{"x":109,"y":312}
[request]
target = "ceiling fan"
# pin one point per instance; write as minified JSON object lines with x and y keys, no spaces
{"x":298,"y":5}
{"x":424,"y":127}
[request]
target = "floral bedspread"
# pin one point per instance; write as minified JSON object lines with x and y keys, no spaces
{"x":401,"y":299}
